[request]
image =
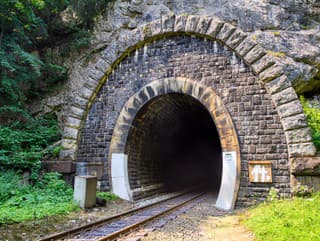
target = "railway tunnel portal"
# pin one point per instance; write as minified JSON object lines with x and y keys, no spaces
{"x":185,"y":100}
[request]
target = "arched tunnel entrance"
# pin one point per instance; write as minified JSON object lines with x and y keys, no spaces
{"x":173,"y":144}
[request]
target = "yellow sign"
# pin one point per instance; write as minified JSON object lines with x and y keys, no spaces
{"x":260,"y":171}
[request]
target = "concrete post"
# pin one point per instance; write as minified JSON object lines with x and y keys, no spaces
{"x":85,"y":191}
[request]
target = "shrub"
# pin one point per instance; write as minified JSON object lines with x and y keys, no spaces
{"x":313,"y":119}
{"x":49,"y":196}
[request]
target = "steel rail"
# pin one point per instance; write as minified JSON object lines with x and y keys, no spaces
{"x":134,"y":226}
{"x":84,"y":227}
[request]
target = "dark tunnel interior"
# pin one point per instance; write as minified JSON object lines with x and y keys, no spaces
{"x":173,"y":144}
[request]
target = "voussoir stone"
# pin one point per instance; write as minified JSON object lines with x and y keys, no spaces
{"x":245,"y":46}
{"x":180,"y":23}
{"x":285,"y":96}
{"x":191,"y":23}
{"x":214,"y":28}
{"x":85,"y":93}
{"x":273,"y":72}
{"x":278,"y":84}
{"x":294,"y":122}
{"x":70,"y":133}
{"x":263,"y":63}
{"x":289,"y":109}
{"x":225,"y":32}
{"x":76,"y":111}
{"x":302,"y":149}
{"x":298,"y":135}
{"x":203,"y":25}
{"x":236,"y":38}
{"x":168,"y":23}
{"x":254,"y":54}
{"x":73,"y":122}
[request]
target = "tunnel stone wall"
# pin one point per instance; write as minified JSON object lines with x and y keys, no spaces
{"x":258,"y":125}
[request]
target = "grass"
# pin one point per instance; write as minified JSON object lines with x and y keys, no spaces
{"x":20,"y":202}
{"x":297,"y":219}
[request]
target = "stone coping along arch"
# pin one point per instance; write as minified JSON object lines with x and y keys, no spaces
{"x":269,"y":69}
{"x":211,"y":101}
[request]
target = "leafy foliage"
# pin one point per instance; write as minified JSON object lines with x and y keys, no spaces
{"x":313,"y":118}
{"x":108,"y":196}
{"x":27,"y":30}
{"x":22,"y":144}
{"x":281,"y":220}
{"x":18,"y":202}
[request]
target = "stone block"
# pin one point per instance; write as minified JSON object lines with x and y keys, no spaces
{"x":203,"y":25}
{"x":298,"y":135}
{"x":305,"y":166}
{"x":294,"y":122}
{"x":168,"y":23}
{"x":225,"y":32}
{"x":236,"y":38}
{"x":85,"y":191}
{"x":285,"y":96}
{"x":96,"y":74}
{"x":302,"y":149}
{"x":102,"y":65}
{"x":278,"y":84}
{"x":191,"y":23}
{"x":254,"y":54}
{"x":263,"y":63}
{"x":152,"y":29}
{"x":271,"y":73}
{"x":289,"y":109}
{"x":180,"y":23}
{"x":214,"y":27}
{"x":79,"y":104}
{"x":65,"y":167}
{"x":69,"y":144}
{"x":66,"y":155}
{"x":70,"y":133}
{"x":244,"y":47}
{"x":85,"y":93}
{"x":76,"y":112}
{"x":73,"y":122}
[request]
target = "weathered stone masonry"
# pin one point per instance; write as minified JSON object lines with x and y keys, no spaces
{"x":259,"y":128}
{"x":265,"y":110}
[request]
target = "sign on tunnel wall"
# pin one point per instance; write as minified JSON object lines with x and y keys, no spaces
{"x":260,"y":171}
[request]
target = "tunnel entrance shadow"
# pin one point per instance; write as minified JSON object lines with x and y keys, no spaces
{"x":172,"y":145}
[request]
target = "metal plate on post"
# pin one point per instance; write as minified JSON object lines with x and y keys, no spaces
{"x":260,"y":171}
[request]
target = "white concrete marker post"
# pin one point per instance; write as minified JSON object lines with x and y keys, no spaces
{"x":85,"y":191}
{"x":119,"y":176}
{"x":229,"y":174}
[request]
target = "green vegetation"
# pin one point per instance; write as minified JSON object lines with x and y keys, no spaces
{"x":313,"y":118}
{"x":22,"y":144}
{"x":29,"y":30}
{"x":108,"y":196}
{"x":19,"y":202}
{"x":284,"y":220}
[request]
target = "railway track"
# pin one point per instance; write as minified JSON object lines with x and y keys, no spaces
{"x":120,"y":225}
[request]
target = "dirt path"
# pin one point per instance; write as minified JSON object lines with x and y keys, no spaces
{"x":225,"y":229}
{"x":203,"y":223}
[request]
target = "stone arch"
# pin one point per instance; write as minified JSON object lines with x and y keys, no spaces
{"x":269,"y":70}
{"x":211,"y":101}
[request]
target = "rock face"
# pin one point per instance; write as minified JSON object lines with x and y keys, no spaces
{"x":285,"y":28}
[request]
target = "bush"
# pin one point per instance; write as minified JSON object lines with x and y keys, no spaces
{"x":22,"y":144}
{"x":313,"y":119}
{"x":108,"y":196}
{"x":49,"y":196}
